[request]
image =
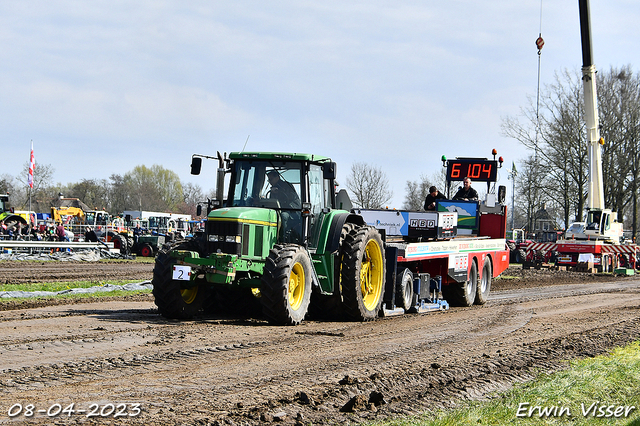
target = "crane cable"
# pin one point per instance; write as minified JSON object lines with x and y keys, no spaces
{"x":539,"y":44}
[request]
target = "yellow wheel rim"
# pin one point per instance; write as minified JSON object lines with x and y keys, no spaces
{"x":189,"y":294}
{"x":296,"y":286}
{"x":371,"y":279}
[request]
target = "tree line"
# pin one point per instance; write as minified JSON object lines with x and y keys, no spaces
{"x":143,"y":188}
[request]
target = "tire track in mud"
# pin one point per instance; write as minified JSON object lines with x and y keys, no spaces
{"x":35,"y":377}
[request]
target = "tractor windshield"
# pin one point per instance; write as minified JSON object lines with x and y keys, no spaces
{"x":273,"y":184}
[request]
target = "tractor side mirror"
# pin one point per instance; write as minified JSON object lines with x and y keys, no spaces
{"x":329,"y":170}
{"x":199,"y":210}
{"x":196,"y":165}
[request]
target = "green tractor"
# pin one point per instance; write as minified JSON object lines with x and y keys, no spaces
{"x":277,"y":239}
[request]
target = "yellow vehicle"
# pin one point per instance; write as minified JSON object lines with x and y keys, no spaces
{"x":66,"y":215}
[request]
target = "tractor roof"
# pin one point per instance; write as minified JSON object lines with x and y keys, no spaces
{"x":277,"y":156}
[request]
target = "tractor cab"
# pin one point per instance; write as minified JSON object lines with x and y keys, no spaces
{"x":4,"y":203}
{"x":272,"y":198}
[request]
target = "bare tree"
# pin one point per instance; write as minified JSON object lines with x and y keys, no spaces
{"x":557,"y":144}
{"x":619,"y":101}
{"x":6,"y":183}
{"x":369,"y":186}
{"x":43,"y":190}
{"x":92,"y":192}
{"x":416,"y":193}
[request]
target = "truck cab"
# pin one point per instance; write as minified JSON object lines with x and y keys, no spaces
{"x":602,"y":224}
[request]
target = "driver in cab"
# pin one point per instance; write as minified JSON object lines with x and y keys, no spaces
{"x":283,"y":191}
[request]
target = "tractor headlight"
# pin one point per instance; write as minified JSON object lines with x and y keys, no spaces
{"x":233,"y":239}
{"x":213,"y":238}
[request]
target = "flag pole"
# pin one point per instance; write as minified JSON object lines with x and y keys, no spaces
{"x":30,"y":179}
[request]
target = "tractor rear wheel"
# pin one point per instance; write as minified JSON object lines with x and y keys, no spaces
{"x":363,"y":273}
{"x":286,"y":285}
{"x":120,"y":243}
{"x":174,"y":299}
{"x":484,"y":286}
{"x":464,"y":293}
{"x":404,"y":289}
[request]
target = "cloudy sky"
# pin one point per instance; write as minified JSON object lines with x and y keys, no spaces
{"x":103,"y":86}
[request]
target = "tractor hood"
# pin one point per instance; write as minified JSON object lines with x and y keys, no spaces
{"x":249,"y":215}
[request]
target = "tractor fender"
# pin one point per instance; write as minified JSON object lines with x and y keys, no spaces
{"x":335,"y":229}
{"x":9,"y":218}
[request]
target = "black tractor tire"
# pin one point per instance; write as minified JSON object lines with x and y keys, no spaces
{"x":120,"y":243}
{"x":521,"y":256}
{"x":363,"y":273}
{"x":484,"y":285}
{"x":464,"y":293}
{"x":404,"y":289}
{"x":146,"y":250}
{"x":173,"y":299}
{"x":286,"y":285}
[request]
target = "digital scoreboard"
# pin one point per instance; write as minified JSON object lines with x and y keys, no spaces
{"x":476,"y":169}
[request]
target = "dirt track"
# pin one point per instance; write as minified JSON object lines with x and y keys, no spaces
{"x":225,"y":371}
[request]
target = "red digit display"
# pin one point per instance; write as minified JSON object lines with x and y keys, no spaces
{"x":479,"y":169}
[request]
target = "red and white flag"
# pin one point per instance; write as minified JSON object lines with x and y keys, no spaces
{"x":32,"y":166}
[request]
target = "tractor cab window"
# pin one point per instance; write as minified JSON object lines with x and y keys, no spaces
{"x":271,"y":184}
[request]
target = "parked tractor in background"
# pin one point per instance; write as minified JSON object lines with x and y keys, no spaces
{"x":9,"y":220}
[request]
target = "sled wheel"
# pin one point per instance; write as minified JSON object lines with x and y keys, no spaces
{"x":484,"y":287}
{"x":175,"y":299}
{"x":286,"y":285}
{"x":363,"y":273}
{"x":464,"y":293}
{"x":404,"y":289}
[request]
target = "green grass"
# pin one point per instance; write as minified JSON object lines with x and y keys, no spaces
{"x":506,"y":277}
{"x":612,"y":380}
{"x":60,"y":286}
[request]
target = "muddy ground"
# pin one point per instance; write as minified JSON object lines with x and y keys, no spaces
{"x":119,"y":354}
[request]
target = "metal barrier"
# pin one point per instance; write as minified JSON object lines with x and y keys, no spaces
{"x":41,"y":246}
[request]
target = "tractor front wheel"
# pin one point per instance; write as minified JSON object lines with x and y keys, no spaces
{"x":175,"y":299}
{"x":363,"y":273}
{"x":286,"y":285}
{"x":146,"y":250}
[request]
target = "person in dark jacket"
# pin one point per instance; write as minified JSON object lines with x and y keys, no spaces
{"x":466,"y":193}
{"x":283,"y":191}
{"x":432,"y":197}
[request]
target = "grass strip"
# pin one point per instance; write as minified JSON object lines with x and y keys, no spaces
{"x":604,"y":390}
{"x":63,"y":285}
